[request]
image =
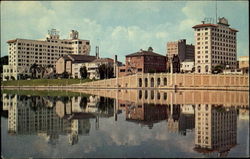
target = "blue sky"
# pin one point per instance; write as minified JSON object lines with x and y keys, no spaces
{"x":120,"y":27}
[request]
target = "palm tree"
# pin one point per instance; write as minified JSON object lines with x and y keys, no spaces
{"x":33,"y":70}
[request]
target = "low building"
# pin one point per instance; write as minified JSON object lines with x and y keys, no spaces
{"x":233,"y":71}
{"x":64,"y":64}
{"x":92,"y":67}
{"x":143,"y":62}
{"x":187,"y":66}
{"x":243,"y":62}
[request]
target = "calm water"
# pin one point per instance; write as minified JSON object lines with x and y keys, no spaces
{"x":128,"y":124}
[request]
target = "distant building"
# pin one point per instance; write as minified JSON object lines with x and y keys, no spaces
{"x":176,"y":64}
{"x":180,"y":48}
{"x":23,"y":53}
{"x":233,"y":71}
{"x":215,"y":44}
{"x":143,"y":62}
{"x":187,"y":66}
{"x":244,"y":62}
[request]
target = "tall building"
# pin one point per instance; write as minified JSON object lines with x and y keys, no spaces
{"x":180,"y":48}
{"x":215,"y":128}
{"x":23,"y":53}
{"x":215,"y":44}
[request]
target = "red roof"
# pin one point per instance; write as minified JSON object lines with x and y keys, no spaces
{"x":11,"y":41}
{"x":204,"y":25}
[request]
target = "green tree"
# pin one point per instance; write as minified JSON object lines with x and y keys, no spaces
{"x":106,"y":71}
{"x":218,"y":69}
{"x":33,"y":70}
{"x":3,"y":61}
{"x":65,"y":74}
{"x":83,"y":72}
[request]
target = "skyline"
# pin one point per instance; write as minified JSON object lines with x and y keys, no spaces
{"x":120,"y":27}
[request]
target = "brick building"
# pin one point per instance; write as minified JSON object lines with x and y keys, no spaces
{"x":143,"y":62}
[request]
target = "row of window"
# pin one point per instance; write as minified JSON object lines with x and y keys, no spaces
{"x":222,"y":44}
{"x":223,"y":48}
{"x":218,"y":31}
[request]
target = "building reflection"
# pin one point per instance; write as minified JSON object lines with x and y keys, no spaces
{"x":215,"y":129}
{"x":181,"y":119}
{"x":51,"y":117}
{"x":146,"y":114}
{"x":215,"y":124}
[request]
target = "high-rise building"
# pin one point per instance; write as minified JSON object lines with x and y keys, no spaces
{"x":23,"y":53}
{"x":215,"y":44}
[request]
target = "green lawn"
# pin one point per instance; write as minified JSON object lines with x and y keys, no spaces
{"x":44,"y":82}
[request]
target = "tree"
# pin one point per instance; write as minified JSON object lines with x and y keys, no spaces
{"x":12,"y":78}
{"x":7,"y":77}
{"x":33,"y":70}
{"x":217,"y":69}
{"x":106,"y":71}
{"x":83,"y":72}
{"x":65,"y":74}
{"x":3,"y":61}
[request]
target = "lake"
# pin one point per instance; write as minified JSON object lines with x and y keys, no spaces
{"x":125,"y":123}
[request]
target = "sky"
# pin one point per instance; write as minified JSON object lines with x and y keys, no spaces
{"x":123,"y":27}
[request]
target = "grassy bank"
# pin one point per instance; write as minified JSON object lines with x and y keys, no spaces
{"x":44,"y":82}
{"x":43,"y":93}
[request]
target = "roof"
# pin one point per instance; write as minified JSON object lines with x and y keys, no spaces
{"x":232,"y":29}
{"x":81,"y":58}
{"x":205,"y":25}
{"x":104,"y":60}
{"x":11,"y":41}
{"x":211,"y":25}
{"x":144,"y":53}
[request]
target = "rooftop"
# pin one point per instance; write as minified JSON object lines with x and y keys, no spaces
{"x":79,"y":58}
{"x":144,"y":53}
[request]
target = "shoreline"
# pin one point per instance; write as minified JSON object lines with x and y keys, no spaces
{"x":74,"y":87}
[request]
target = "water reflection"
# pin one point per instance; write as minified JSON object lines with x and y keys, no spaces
{"x":53,"y":116}
{"x":201,"y":114}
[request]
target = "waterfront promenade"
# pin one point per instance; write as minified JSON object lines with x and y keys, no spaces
{"x":157,"y":81}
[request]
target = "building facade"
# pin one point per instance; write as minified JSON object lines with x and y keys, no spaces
{"x":65,"y":63}
{"x":243,"y":62}
{"x":180,"y":48}
{"x":143,"y":62}
{"x":187,"y":66}
{"x":215,"y":44}
{"x":23,"y":53}
{"x":92,"y":67}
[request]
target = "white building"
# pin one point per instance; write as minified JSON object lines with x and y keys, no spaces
{"x":187,"y":66}
{"x":215,"y":44}
{"x":23,"y":53}
{"x":92,"y":67}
